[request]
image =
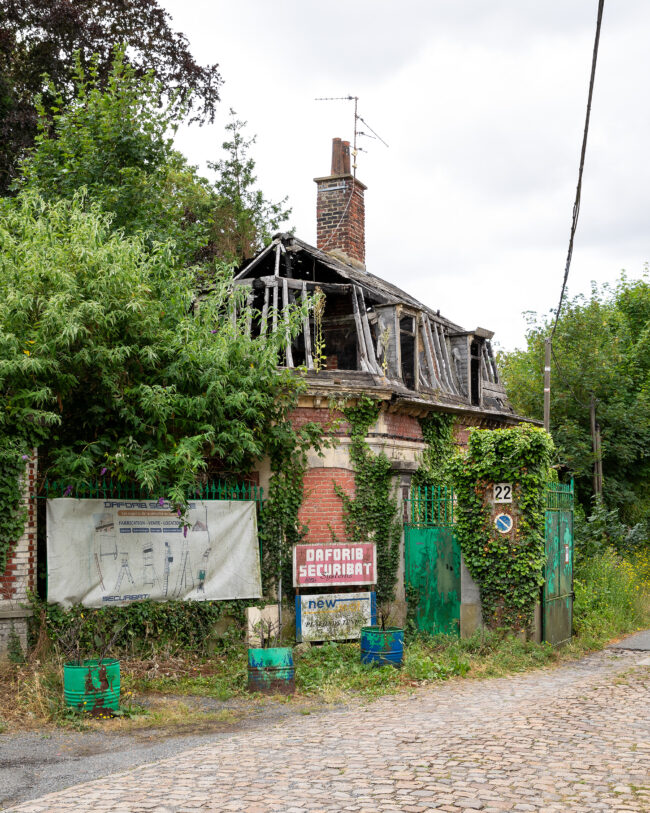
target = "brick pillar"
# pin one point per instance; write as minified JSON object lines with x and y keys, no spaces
{"x":340,"y":208}
{"x":20,"y":574}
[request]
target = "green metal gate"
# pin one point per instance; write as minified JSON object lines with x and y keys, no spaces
{"x":557,"y":617}
{"x":432,"y":560}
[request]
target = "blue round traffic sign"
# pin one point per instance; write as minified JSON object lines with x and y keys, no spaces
{"x":503,"y":523}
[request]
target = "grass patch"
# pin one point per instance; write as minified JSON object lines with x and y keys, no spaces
{"x":612,"y":598}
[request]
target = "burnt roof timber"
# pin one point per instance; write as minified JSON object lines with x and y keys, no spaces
{"x":374,"y":287}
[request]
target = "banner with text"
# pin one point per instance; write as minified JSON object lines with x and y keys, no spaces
{"x":102,"y":552}
{"x":334,"y":564}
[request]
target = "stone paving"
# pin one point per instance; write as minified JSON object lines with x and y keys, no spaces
{"x":575,"y":738}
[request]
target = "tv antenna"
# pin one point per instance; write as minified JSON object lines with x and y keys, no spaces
{"x":357,"y":132}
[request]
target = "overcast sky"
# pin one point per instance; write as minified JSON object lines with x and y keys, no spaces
{"x":482,"y":103}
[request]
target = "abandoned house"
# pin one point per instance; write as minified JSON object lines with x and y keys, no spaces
{"x":365,"y":337}
{"x":370,"y":338}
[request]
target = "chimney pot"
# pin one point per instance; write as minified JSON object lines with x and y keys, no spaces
{"x":340,"y":210}
{"x":340,"y":157}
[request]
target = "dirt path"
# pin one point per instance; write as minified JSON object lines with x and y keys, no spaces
{"x":573,"y":738}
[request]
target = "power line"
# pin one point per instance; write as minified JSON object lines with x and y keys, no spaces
{"x":574,"y":224}
{"x":576,"y":205}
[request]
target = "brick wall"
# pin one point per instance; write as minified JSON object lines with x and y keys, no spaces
{"x":340,"y":217}
{"x":322,"y":415}
{"x":20,"y":574}
{"x":403,"y":426}
{"x":461,"y":435}
{"x":321,"y":508}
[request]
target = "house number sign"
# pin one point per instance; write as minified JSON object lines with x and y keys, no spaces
{"x":502,"y":492}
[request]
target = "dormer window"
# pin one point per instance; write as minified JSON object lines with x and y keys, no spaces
{"x":476,"y":348}
{"x":407,"y":350}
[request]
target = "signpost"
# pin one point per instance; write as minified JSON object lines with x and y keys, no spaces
{"x":333,"y":565}
{"x":334,"y":616}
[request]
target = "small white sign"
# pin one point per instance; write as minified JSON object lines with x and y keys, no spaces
{"x":333,"y":616}
{"x":502,"y":492}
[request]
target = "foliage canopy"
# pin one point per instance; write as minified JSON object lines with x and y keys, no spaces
{"x":601,"y":347}
{"x":104,"y":361}
{"x":47,"y":36}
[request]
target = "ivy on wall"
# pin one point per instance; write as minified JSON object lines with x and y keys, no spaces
{"x":279,"y":527}
{"x":14,"y":454}
{"x":372,"y":515}
{"x":438,"y":434}
{"x":508,"y":569}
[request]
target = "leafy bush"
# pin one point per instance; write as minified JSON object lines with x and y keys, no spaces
{"x":611,"y":595}
{"x":603,"y":530}
{"x":145,"y":627}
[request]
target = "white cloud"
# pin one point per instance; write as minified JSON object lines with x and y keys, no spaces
{"x":482,"y":104}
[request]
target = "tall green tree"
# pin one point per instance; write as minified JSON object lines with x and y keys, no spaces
{"x":244,"y":217}
{"x":46,"y":37}
{"x":115,"y":139}
{"x":106,"y":363}
{"x":601,"y":348}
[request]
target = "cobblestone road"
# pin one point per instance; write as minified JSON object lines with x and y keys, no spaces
{"x":575,"y":738}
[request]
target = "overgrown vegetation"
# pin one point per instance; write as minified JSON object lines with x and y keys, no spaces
{"x":372,"y":515}
{"x":108,"y":365}
{"x":146,"y":628}
{"x":601,"y":348}
{"x":507,"y":568}
{"x":49,"y":37}
{"x":438,"y":433}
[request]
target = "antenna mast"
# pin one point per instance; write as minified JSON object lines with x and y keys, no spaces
{"x":357,"y":132}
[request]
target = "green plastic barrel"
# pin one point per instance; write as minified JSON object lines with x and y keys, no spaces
{"x":382,"y":646}
{"x":271,"y":671}
{"x":92,"y":687}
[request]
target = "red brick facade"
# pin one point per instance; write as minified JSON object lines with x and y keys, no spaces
{"x":340,"y":217}
{"x":322,"y":510}
{"x":404,"y":427}
{"x":324,"y":416}
{"x":20,"y":574}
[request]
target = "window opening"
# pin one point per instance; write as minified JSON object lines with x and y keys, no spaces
{"x":407,"y":348}
{"x":475,"y":372}
{"x":340,"y":334}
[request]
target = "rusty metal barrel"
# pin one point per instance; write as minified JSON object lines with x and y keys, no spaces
{"x":92,"y":686}
{"x":271,"y":671}
{"x":382,"y":646}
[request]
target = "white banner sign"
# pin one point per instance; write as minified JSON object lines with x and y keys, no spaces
{"x":102,"y":552}
{"x":333,"y":616}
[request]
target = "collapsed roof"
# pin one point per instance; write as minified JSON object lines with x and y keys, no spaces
{"x":369,"y":335}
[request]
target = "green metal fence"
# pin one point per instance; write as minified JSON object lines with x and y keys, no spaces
{"x":559,"y":496}
{"x":431,"y":506}
{"x":114,"y":490}
{"x":557,"y":598}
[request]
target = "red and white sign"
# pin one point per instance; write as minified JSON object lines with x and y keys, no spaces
{"x":335,"y":564}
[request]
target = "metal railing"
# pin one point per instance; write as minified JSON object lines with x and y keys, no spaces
{"x":114,"y":490}
{"x":431,"y":506}
{"x":559,"y":496}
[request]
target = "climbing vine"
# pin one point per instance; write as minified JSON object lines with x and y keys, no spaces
{"x":372,"y":515}
{"x":279,"y":527}
{"x":13,"y":457}
{"x":438,"y":434}
{"x":508,"y":569}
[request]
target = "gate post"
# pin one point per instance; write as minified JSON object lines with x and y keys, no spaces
{"x":19,"y":577}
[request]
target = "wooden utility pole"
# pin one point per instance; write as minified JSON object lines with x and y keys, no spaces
{"x":547,"y":384}
{"x":595,"y":443}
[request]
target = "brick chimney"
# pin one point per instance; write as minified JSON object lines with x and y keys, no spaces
{"x":340,"y":209}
